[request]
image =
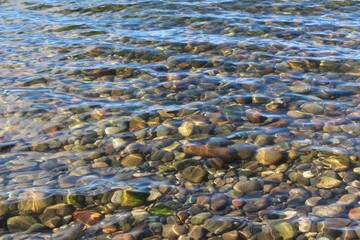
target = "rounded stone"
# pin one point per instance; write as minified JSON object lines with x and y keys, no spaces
{"x":194,"y":174}
{"x":35,"y":201}
{"x":247,"y":186}
{"x":132,"y":160}
{"x":332,"y":210}
{"x":327,"y":182}
{"x":218,"y":225}
{"x":20,"y":223}
{"x":218,"y":201}
{"x":354,"y":213}
{"x":173,"y":230}
{"x":269,"y":156}
{"x":200,"y":218}
{"x":286,"y":230}
{"x":186,"y":129}
{"x":87,"y":217}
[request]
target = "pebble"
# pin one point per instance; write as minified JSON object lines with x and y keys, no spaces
{"x":332,"y":210}
{"x":286,"y":230}
{"x":20,"y":223}
{"x":186,"y":129}
{"x":35,"y":201}
{"x":218,"y":201}
{"x":196,"y":232}
{"x":269,"y":156}
{"x":194,"y":174}
{"x":173,"y":230}
{"x":87,"y":217}
{"x":217,"y":225}
{"x":327,"y":182}
{"x":53,"y":215}
{"x":247,"y":186}
{"x":132,"y":160}
{"x":254,"y":205}
{"x":354,"y":213}
{"x":198,"y":219}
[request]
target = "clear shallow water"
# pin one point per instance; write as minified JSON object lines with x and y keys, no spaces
{"x":86,"y":84}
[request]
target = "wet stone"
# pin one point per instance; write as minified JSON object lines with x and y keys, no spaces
{"x":200,"y":218}
{"x":53,"y":215}
{"x":131,"y":198}
{"x":87,"y":217}
{"x":35,"y":201}
{"x":247,"y":186}
{"x":231,"y":235}
{"x":218,"y":201}
{"x":132,"y":160}
{"x":194,"y":174}
{"x":327,"y":182}
{"x":336,"y":163}
{"x":218,"y":225}
{"x":332,"y":210}
{"x":186,"y":129}
{"x":286,"y":230}
{"x":254,"y":205}
{"x":20,"y":223}
{"x":173,"y":230}
{"x":196,"y":232}
{"x":269,"y":156}
{"x":354,"y":213}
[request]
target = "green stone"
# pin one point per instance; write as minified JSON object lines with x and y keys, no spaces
{"x":162,"y":210}
{"x":286,"y":230}
{"x":131,"y":198}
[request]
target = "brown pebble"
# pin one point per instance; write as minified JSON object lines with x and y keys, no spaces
{"x":232,"y":235}
{"x":109,"y":229}
{"x":255,"y":116}
{"x":226,"y":154}
{"x":247,"y":186}
{"x":87,"y":217}
{"x":354,"y":213}
{"x":123,"y":236}
{"x":269,"y":156}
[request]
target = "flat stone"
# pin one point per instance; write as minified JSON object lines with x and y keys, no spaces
{"x":35,"y":201}
{"x":327,"y":182}
{"x":196,"y":232}
{"x":332,"y":225}
{"x":256,"y":204}
{"x":347,"y":200}
{"x":336,"y":163}
{"x":218,"y":201}
{"x":354,"y":213}
{"x":247,"y":186}
{"x":131,"y":198}
{"x":53,"y":215}
{"x":218,"y":225}
{"x":244,"y":150}
{"x":286,"y":230}
{"x":186,"y":129}
{"x":269,"y":156}
{"x":132,"y":160}
{"x":87,"y":217}
{"x":332,"y":210}
{"x":198,"y":219}
{"x":173,"y":230}
{"x":194,"y":174}
{"x":305,"y":224}
{"x":20,"y":223}
{"x":232,"y":235}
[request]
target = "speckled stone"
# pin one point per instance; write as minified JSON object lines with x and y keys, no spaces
{"x":332,"y":210}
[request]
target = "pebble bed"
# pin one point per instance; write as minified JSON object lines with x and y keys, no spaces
{"x":132,"y":122}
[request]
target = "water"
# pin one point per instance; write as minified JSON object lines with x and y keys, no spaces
{"x":174,"y":104}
